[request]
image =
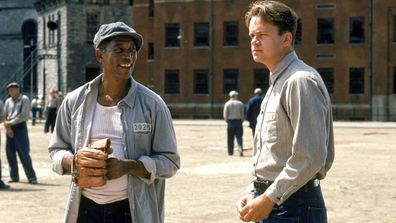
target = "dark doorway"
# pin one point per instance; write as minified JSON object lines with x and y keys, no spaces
{"x":29,"y":35}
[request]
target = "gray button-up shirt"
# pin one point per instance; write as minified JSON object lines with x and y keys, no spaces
{"x":148,"y":136}
{"x":18,"y":110}
{"x":294,"y":140}
{"x":233,"y":109}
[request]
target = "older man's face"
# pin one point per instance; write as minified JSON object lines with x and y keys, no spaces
{"x":119,"y":57}
{"x":13,"y":92}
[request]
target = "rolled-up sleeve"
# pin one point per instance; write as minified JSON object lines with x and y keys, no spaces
{"x":60,"y":143}
{"x":57,"y":157}
{"x":164,"y":161}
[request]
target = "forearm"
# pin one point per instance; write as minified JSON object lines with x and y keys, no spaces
{"x":135,"y":168}
{"x":66,"y":163}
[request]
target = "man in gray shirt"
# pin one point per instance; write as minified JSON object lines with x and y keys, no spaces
{"x":143,"y":138}
{"x":294,"y":144}
{"x":233,"y":114}
{"x":17,"y":111}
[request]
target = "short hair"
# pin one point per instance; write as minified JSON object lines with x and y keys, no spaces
{"x":102,"y":46}
{"x":275,"y":13}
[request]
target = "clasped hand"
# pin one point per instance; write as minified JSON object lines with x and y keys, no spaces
{"x":254,"y":209}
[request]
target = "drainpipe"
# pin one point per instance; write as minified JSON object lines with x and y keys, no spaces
{"x":211,"y":60}
{"x":370,"y":57}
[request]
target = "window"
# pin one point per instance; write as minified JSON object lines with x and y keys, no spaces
{"x":230,"y":34}
{"x":356,"y":80}
{"x":150,"y":51}
{"x":92,"y":26}
{"x":394,"y":28}
{"x":52,"y":30}
{"x":394,"y":80}
{"x":298,"y":37}
{"x":261,"y":79}
{"x":201,"y":34}
{"x":172,"y":83}
{"x":201,"y":82}
{"x":325,"y":31}
{"x":172,"y":35}
{"x":327,"y":74}
{"x":230,"y":80}
{"x":356,"y":30}
{"x":151,"y":8}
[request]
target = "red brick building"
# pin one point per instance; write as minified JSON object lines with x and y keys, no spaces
{"x":356,"y":57}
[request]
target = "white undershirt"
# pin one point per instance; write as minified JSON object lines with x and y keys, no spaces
{"x":107,"y":124}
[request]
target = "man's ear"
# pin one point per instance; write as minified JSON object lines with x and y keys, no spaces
{"x":98,"y":54}
{"x":287,"y":41}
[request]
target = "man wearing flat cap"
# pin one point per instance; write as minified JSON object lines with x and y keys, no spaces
{"x":17,"y":111}
{"x":138,"y":124}
{"x":233,"y":114}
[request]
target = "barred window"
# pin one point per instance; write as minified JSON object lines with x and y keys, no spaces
{"x":201,"y":81}
{"x":172,"y":82}
{"x":150,"y":51}
{"x":327,"y":74}
{"x":230,"y":80}
{"x":201,"y":34}
{"x":231,"y":33}
{"x":356,"y":80}
{"x":261,"y":79}
{"x":172,"y":33}
{"x":356,"y":30}
{"x":325,"y":31}
{"x":92,"y":25}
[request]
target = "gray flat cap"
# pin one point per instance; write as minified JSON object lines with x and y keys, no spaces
{"x":13,"y":84}
{"x":117,"y":29}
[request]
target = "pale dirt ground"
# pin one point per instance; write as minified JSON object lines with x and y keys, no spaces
{"x":360,"y":187}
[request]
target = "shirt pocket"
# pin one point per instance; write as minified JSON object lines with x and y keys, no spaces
{"x":270,"y":133}
{"x":142,"y":137}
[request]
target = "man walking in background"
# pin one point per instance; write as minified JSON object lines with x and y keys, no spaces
{"x":233,"y":114}
{"x":253,"y":108}
{"x":50,"y":111}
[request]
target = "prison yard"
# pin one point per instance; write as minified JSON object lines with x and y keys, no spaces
{"x":360,"y":187}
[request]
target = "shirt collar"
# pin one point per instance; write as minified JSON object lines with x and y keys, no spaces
{"x":129,"y":99}
{"x":290,"y":57}
{"x":18,"y":98}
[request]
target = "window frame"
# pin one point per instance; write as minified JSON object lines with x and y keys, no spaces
{"x":168,"y":88}
{"x":172,"y":34}
{"x":353,"y":81}
{"x":229,"y":38}
{"x":325,"y":35}
{"x":227,"y":87}
{"x":327,"y":74}
{"x":200,"y":82}
{"x":353,"y":29}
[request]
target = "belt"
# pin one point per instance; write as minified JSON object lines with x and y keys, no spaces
{"x":264,"y":184}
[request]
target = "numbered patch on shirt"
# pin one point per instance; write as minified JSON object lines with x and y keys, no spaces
{"x":141,"y":127}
